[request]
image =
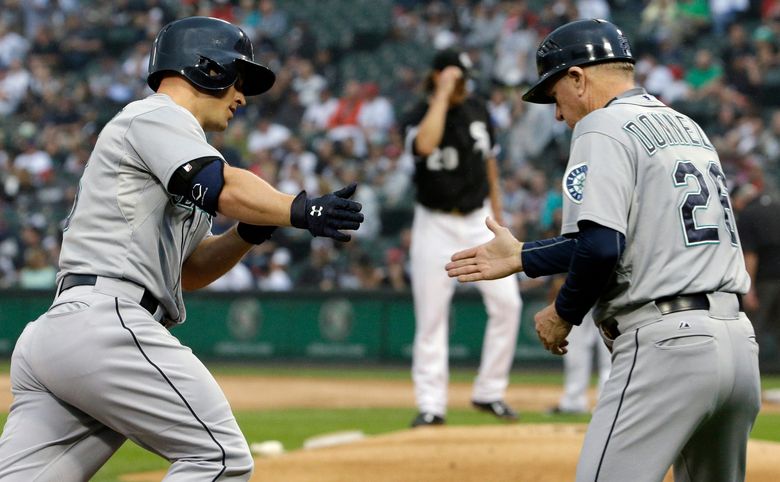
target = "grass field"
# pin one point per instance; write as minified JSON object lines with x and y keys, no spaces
{"x":293,"y":426}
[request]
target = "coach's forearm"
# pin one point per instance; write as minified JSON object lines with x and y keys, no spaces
{"x":213,"y":257}
{"x":248,"y":198}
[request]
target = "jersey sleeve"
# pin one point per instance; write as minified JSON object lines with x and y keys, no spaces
{"x":609,"y":183}
{"x":165,"y":138}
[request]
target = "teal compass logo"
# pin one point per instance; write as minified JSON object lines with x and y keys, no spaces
{"x":574,"y":182}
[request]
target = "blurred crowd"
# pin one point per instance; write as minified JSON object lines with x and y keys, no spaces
{"x":67,"y":66}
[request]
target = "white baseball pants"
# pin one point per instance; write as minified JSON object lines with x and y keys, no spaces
{"x":436,"y":236}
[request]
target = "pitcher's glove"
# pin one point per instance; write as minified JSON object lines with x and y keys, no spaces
{"x":328,"y":214}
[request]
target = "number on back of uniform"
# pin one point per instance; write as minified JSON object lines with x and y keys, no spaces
{"x":699,"y":201}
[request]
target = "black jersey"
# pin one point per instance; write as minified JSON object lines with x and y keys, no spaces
{"x":454,"y":176}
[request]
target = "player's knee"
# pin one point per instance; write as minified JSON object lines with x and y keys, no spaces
{"x":239,"y":462}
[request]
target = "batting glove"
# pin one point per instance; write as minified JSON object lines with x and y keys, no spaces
{"x":327,"y":215}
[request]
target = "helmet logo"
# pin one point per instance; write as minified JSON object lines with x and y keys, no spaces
{"x":624,"y":45}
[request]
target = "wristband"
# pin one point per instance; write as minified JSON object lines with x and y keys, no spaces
{"x":254,"y":234}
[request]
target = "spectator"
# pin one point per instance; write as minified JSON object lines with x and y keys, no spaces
{"x":515,"y":49}
{"x":321,"y":271}
{"x":376,"y":115}
{"x":316,"y":116}
{"x":278,"y":279}
{"x":267,"y":135}
{"x":238,"y":278}
{"x":37,"y":272}
{"x":307,"y":82}
{"x":13,"y":46}
{"x":33,"y":164}
{"x":593,"y":9}
{"x":705,"y":75}
{"x":14,"y":82}
{"x":725,"y":12}
{"x":343,"y":123}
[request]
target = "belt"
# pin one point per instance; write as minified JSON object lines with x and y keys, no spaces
{"x":455,"y":211}
{"x":668,"y":305}
{"x":148,"y":301}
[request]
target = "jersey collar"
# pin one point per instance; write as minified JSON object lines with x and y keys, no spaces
{"x":628,"y":93}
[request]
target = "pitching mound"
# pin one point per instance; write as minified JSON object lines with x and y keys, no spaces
{"x":539,"y":453}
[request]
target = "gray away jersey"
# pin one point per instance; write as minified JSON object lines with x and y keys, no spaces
{"x":649,"y":172}
{"x":124,"y":223}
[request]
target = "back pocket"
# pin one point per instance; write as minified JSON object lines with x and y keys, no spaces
{"x":684,"y":341}
{"x":66,"y":308}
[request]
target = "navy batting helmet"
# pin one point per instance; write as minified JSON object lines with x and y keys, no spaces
{"x":582,"y":42}
{"x":210,"y":53}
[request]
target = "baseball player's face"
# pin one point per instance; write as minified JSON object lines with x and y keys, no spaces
{"x":569,"y":103}
{"x":217,"y":110}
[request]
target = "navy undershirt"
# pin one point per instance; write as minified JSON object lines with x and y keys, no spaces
{"x":590,"y":259}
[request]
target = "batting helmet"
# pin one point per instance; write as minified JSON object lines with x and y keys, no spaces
{"x":582,"y":42}
{"x":210,"y":53}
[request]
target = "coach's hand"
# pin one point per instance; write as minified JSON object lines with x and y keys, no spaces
{"x":552,"y":330}
{"x":328,"y":214}
{"x":495,"y":259}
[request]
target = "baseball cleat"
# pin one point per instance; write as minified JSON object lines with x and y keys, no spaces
{"x":557,"y":410}
{"x":425,"y":418}
{"x":498,"y":408}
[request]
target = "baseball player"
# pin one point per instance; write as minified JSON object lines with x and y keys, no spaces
{"x":648,"y":237}
{"x":451,"y":138}
{"x":100,"y":366}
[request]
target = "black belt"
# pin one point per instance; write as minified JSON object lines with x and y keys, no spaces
{"x":455,"y":211}
{"x":148,"y":302}
{"x":668,"y":305}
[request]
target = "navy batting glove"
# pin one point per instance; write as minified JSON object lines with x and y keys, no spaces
{"x":254,"y":234}
{"x":328,"y":214}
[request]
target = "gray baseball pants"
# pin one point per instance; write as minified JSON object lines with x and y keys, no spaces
{"x":97,"y":369}
{"x":684,"y":391}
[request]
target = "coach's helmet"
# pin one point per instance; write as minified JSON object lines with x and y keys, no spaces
{"x":210,"y":53}
{"x":581,"y":42}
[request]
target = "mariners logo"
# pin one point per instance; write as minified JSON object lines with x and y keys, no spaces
{"x":574,"y":182}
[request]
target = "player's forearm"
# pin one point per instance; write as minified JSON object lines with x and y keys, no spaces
{"x":250,"y":199}
{"x":547,"y":256}
{"x":431,"y":128}
{"x":598,"y":252}
{"x":213,"y":257}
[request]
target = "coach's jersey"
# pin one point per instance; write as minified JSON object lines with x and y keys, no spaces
{"x":454,"y":175}
{"x":124,"y":222}
{"x":649,"y":172}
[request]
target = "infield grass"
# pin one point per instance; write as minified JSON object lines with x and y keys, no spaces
{"x":293,"y":426}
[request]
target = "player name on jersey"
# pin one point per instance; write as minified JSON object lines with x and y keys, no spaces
{"x":660,"y":130}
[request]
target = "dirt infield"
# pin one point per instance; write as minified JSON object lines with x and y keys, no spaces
{"x":516,"y":453}
{"x":533,"y":453}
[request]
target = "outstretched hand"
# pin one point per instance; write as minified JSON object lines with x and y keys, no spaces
{"x":495,"y":259}
{"x":327,"y":215}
